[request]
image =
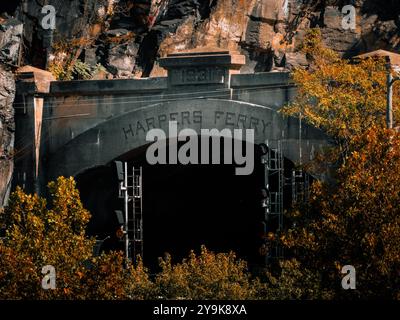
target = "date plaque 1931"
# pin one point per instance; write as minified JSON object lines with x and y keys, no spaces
{"x":202,"y":69}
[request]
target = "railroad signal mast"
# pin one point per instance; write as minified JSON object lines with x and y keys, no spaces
{"x":131,"y":219}
{"x":273,"y":196}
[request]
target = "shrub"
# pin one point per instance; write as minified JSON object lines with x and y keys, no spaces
{"x":205,"y":276}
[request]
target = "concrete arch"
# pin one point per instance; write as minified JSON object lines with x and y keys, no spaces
{"x":119,"y":135}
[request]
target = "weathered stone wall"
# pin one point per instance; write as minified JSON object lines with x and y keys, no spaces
{"x":10,"y":40}
{"x":7,"y":91}
{"x":78,"y":125}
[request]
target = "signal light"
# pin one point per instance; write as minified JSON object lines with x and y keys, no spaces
{"x":271,"y":236}
{"x":265,"y":198}
{"x":120,"y":216}
{"x":263,"y":250}
{"x":120,"y":233}
{"x":263,"y":149}
{"x":120,"y":170}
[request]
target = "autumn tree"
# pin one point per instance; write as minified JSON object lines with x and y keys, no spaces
{"x":38,"y":234}
{"x":111,"y":277}
{"x":291,"y":280}
{"x":357,"y":222}
{"x":42,"y":236}
{"x":206,"y":276}
{"x":343,"y":98}
{"x":354,"y":220}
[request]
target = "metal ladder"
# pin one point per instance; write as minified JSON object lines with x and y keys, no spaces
{"x":135,"y":213}
{"x":275,"y":168}
{"x":130,"y":189}
{"x":274,"y":173}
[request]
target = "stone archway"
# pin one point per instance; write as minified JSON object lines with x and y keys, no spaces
{"x":124,"y":138}
{"x":119,"y":135}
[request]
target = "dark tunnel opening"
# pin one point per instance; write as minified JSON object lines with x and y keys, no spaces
{"x":184,"y":207}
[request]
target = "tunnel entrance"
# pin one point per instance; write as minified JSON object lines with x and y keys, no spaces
{"x":184,"y":207}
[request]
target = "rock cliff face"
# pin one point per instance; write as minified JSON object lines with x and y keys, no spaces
{"x":127,"y":37}
{"x":10,"y":39}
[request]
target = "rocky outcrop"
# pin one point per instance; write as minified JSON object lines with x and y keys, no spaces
{"x":129,"y":36}
{"x":10,"y":41}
